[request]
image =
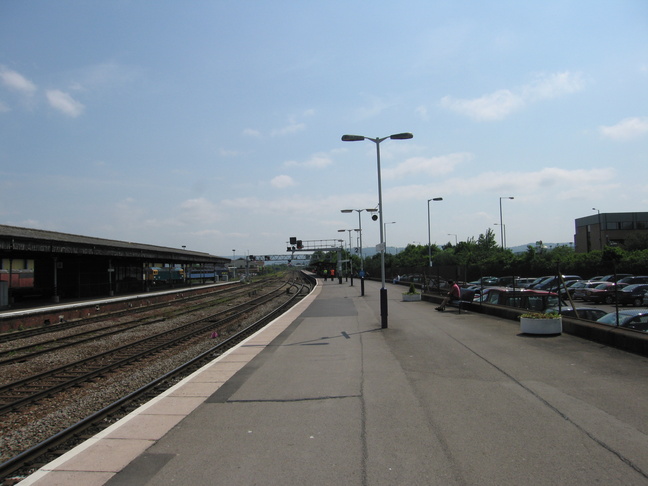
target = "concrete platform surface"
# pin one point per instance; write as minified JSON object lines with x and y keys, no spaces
{"x":323,"y":396}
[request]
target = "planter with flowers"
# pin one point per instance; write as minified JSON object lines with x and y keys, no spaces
{"x":411,"y":295}
{"x":540,"y":323}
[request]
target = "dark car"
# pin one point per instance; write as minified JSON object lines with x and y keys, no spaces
{"x":486,"y":281}
{"x":579,"y":291}
{"x":635,"y":279}
{"x":538,"y":281}
{"x":530,"y":299}
{"x":553,"y":282}
{"x":604,"y":292}
{"x":632,"y":294}
{"x":615,"y":277}
{"x":636,"y":319}
{"x":588,"y":313}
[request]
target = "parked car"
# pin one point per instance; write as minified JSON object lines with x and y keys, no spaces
{"x":615,"y":277}
{"x":603,"y":292}
{"x":636,"y":319}
{"x":632,"y":294}
{"x":538,"y":281}
{"x":635,"y":279}
{"x":588,"y":313}
{"x":566,"y":290}
{"x":552,"y":283}
{"x":530,"y":299}
{"x":580,"y":291}
{"x":575,"y":285}
{"x":524,"y":282}
{"x":486,"y":281}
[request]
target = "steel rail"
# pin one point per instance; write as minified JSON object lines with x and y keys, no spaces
{"x":33,"y":388}
{"x":54,"y":446}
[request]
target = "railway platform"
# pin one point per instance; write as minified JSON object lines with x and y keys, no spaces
{"x":323,"y":396}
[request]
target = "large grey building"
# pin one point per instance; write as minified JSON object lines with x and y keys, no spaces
{"x":599,"y":230}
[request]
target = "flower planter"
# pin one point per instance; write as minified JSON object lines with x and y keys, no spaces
{"x":540,"y":326}
{"x":411,"y":297}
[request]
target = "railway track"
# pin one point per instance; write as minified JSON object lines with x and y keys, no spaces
{"x":29,"y":390}
{"x":46,"y":450}
{"x":29,"y":351}
{"x":233,"y":290}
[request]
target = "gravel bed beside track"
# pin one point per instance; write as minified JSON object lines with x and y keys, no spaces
{"x":25,"y":428}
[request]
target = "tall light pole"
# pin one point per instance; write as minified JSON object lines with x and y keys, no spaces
{"x":429,"y":237}
{"x":452,"y":234}
{"x":501,"y":222}
{"x":385,"y":225}
{"x":372,"y":210}
{"x":377,"y":141}
{"x":600,"y":229}
{"x":350,"y":261}
{"x":504,"y":227}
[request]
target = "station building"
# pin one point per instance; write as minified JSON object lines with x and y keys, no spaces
{"x":38,"y":264}
{"x":599,"y":230}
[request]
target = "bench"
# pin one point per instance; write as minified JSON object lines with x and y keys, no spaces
{"x":466,"y":298}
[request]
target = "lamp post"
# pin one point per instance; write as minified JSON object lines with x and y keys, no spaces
{"x":385,"y":225}
{"x":600,"y":229}
{"x":372,"y":210}
{"x":501,"y":222}
{"x":428,"y":222}
{"x":377,"y":141}
{"x":350,"y":261}
{"x":452,"y":234}
{"x":504,"y":229}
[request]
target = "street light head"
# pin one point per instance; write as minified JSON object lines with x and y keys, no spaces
{"x":371,"y":210}
{"x":346,"y":210}
{"x":352,"y":138}
{"x":399,"y":136}
{"x":341,"y":231}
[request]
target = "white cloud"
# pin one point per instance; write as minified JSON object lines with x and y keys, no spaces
{"x":626,"y":129}
{"x":251,"y":132}
{"x":316,"y":161}
{"x":288,"y":129}
{"x":16,"y":81}
{"x":494,"y":106}
{"x":64,"y":103}
{"x":200,"y":210}
{"x":422,"y":112}
{"x":426,"y":165}
{"x":502,"y":103}
{"x":283,"y":181}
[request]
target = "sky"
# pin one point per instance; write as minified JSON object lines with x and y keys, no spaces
{"x":216,"y":125}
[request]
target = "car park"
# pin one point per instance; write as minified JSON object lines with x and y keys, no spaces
{"x":635,"y":279}
{"x":552,"y":283}
{"x":538,"y":281}
{"x":486,"y":281}
{"x":614,"y":277}
{"x":632,"y":294}
{"x":529,"y":299}
{"x":635,"y":319}
{"x":579,"y":292}
{"x":587,"y":313}
{"x":524,"y":282}
{"x":603,"y":292}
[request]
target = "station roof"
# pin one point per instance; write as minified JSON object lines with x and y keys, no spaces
{"x":25,"y":241}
